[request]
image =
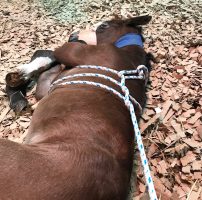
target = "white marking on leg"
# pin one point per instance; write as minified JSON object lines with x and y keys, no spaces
{"x":36,"y":64}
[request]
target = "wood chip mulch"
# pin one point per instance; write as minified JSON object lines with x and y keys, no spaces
{"x":171,"y":123}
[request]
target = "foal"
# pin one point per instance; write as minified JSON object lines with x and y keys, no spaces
{"x":80,"y":141}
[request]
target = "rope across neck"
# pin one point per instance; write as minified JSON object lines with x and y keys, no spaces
{"x":142,"y":74}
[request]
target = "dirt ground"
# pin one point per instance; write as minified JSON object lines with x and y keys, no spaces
{"x":171,"y":124}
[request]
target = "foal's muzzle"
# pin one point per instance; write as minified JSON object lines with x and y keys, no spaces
{"x":74,"y":37}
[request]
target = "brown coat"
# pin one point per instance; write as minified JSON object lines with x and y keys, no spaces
{"x":80,"y":142}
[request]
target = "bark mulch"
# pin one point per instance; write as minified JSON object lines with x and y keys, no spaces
{"x":171,"y":123}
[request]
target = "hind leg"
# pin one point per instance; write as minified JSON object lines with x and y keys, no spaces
{"x":40,"y":61}
{"x":45,"y":80}
{"x":17,"y":82}
{"x":16,"y":91}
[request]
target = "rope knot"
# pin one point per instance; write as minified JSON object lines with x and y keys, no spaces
{"x":143,"y":71}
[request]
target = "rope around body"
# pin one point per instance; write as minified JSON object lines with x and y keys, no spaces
{"x":142,"y":72}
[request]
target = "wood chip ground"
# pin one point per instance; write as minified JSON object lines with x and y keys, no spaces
{"x":171,"y":123}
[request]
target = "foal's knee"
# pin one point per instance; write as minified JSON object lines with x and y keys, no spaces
{"x":70,"y":54}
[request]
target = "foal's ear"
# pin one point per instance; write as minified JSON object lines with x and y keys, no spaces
{"x":141,"y":20}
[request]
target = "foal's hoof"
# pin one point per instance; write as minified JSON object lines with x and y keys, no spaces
{"x":15,"y":79}
{"x":18,"y":102}
{"x":16,"y":89}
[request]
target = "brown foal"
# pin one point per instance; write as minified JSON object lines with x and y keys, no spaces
{"x":80,"y":142}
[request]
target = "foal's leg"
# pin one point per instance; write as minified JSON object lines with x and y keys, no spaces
{"x":40,"y":61}
{"x":17,"y":82}
{"x":45,"y":80}
{"x":16,"y":91}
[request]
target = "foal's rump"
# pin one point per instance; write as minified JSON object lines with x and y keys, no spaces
{"x":61,"y":171}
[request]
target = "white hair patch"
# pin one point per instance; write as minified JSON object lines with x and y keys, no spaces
{"x":36,"y":64}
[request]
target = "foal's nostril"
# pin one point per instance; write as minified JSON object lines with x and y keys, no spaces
{"x":74,"y":37}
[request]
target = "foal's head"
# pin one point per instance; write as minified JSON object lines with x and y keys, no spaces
{"x":111,"y":31}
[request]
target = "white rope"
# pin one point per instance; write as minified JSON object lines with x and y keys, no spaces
{"x":142,"y":74}
{"x":96,"y":84}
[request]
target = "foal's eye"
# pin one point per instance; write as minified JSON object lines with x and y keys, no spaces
{"x":103,"y":26}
